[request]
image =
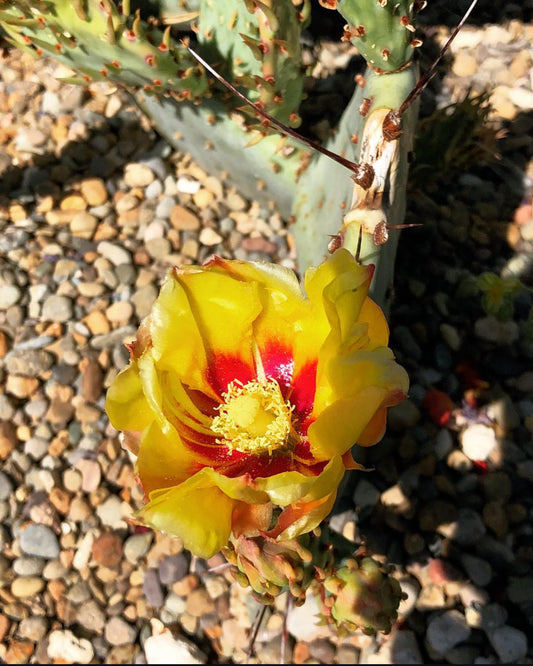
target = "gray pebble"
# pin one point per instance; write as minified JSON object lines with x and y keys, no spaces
{"x":173,"y":568}
{"x":152,"y":588}
{"x":57,"y":308}
{"x":39,"y":540}
{"x":510,"y":643}
{"x":447,"y":630}
{"x":6,"y":486}
{"x":28,"y":566}
{"x":33,"y":628}
{"x":29,"y":362}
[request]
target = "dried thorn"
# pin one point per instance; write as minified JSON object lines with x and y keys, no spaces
{"x":328,"y":4}
{"x":385,"y":54}
{"x":125,"y":7}
{"x":404,"y":21}
{"x":165,"y":41}
{"x":424,"y":81}
{"x":359,"y":242}
{"x":352,"y":166}
{"x":258,"y":619}
{"x":354,"y":138}
{"x":360,"y":80}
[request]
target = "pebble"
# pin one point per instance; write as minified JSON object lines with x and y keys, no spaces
{"x":107,"y":549}
{"x":119,"y":632}
{"x":26,"y":586}
{"x":64,"y":645}
{"x":57,"y":308}
{"x":9,"y":295}
{"x":91,"y":616}
{"x":152,"y":588}
{"x":510,"y":643}
{"x":163,"y":648}
{"x":173,"y":568}
{"x":478,"y":441}
{"x":447,"y":630}
{"x":39,"y":540}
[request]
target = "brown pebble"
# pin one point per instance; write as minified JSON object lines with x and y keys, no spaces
{"x":183,"y":219}
{"x":92,"y":378}
{"x":60,"y":500}
{"x":8,"y":438}
{"x":200,"y":603}
{"x":56,"y":588}
{"x":4,"y":626}
{"x":107,"y":549}
{"x":259,"y":244}
{"x":4,"y":344}
{"x":19,"y":652}
{"x":97,"y":322}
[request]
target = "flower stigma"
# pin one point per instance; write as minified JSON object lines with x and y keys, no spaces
{"x":254,"y":417}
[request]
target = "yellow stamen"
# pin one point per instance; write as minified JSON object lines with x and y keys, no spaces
{"x":254,"y":417}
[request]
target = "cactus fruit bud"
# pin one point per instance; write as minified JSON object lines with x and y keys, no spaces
{"x":361,"y":594}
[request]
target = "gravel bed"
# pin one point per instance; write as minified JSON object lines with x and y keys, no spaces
{"x":94,"y":209}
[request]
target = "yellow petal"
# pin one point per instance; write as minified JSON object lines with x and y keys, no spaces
{"x":163,"y":461}
{"x":126,"y":404}
{"x":303,"y":514}
{"x":199,"y":516}
{"x":224,"y":309}
{"x":339,"y":426}
{"x":177,"y":342}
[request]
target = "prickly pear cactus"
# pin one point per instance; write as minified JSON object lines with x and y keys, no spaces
{"x":103,"y":43}
{"x":382,"y":30}
{"x":254,"y":42}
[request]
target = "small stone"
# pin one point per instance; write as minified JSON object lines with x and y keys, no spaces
{"x":173,"y":568}
{"x":493,"y":330}
{"x":91,"y":380}
{"x":90,"y":616}
{"x":6,"y":487}
{"x":107,"y":549}
{"x":447,"y":630}
{"x":119,"y":312}
{"x":366,"y":495}
{"x":33,"y":628}
{"x":479,"y":571}
{"x":39,"y":540}
{"x":64,"y":645}
{"x":209,"y":237}
{"x":478,"y":441}
{"x":114,"y":253}
{"x":163,"y":648}
{"x":57,"y":308}
{"x":152,"y":588}
{"x":83,"y":225}
{"x":200,"y":603}
{"x":510,"y":643}
{"x":94,"y":191}
{"x":403,"y":416}
{"x":119,"y":632}
{"x":464,"y":64}
{"x":96,"y":322}
{"x":137,"y":545}
{"x":9,"y":295}
{"x":111,"y":512}
{"x":302,"y":621}
{"x":91,"y":474}
{"x":26,"y":586}
{"x":138,"y":175}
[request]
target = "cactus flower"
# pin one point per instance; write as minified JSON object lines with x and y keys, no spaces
{"x":243,"y":397}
